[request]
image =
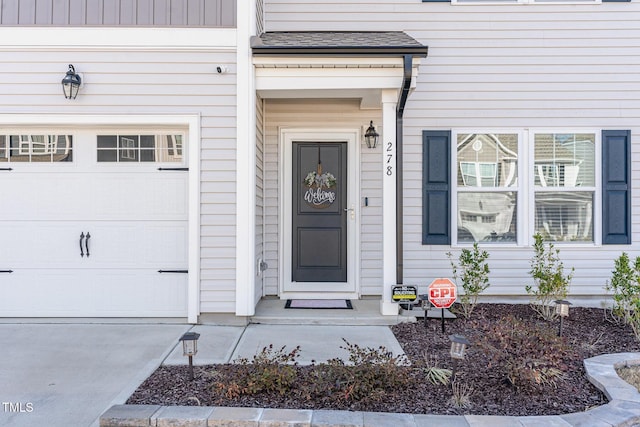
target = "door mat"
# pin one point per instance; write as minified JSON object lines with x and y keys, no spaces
{"x":319,"y":303}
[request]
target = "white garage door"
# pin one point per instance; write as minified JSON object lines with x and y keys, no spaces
{"x":93,"y":224}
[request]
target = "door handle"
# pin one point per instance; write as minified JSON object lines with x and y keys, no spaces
{"x":352,"y":210}
{"x":81,"y":239}
{"x":86,"y":243}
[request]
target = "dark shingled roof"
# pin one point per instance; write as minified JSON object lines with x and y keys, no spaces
{"x":337,"y":42}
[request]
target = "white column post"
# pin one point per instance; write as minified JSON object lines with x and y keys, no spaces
{"x":389,"y":173}
{"x":245,"y":162}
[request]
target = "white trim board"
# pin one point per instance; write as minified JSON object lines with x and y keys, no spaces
{"x":106,"y":38}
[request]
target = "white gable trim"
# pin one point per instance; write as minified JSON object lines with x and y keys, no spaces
{"x":106,"y":38}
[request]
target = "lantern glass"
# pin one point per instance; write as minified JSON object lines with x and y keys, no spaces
{"x":458,"y":346}
{"x":371,"y":136}
{"x":71,"y":83}
{"x":189,"y":347}
{"x":457,"y":350}
{"x":189,"y":343}
{"x":562,"y":308}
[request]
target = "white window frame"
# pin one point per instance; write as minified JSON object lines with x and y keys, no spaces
{"x":518,"y":189}
{"x":525,"y":189}
{"x":597,"y":187}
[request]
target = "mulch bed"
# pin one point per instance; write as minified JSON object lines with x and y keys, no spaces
{"x":587,"y":332}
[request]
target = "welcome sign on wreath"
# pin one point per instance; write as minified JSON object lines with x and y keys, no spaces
{"x":321,"y":191}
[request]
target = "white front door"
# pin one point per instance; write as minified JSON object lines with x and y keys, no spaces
{"x":93,"y":228}
{"x":320,"y":210}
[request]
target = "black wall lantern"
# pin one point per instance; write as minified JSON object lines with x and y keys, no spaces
{"x":71,"y":83}
{"x":371,"y":136}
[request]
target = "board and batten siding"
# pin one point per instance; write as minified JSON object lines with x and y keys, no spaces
{"x":502,"y":66}
{"x":187,"y":13}
{"x":139,"y":81}
{"x":325,"y":114}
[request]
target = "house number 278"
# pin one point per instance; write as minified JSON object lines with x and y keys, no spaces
{"x":389,"y":165}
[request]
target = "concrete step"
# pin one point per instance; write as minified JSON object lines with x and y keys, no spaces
{"x":365,"y":312}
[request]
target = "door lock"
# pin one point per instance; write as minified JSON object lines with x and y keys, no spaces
{"x":352,"y":210}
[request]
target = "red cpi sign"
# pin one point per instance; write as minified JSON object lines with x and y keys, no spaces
{"x":442,"y":293}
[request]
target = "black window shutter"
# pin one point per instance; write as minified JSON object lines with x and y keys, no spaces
{"x":436,"y":187}
{"x":616,"y":187}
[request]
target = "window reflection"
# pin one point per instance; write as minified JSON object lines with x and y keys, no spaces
{"x":36,"y":148}
{"x":564,"y":164}
{"x":487,"y":217}
{"x":488,"y":161}
{"x":140,"y":148}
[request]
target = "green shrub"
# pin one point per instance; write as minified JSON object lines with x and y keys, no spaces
{"x":528,"y":355}
{"x":550,"y":282}
{"x":625,"y":284}
{"x":474,"y":275}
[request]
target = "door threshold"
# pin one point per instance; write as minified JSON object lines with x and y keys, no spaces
{"x":319,"y":295}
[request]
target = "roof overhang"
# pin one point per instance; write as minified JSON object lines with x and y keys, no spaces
{"x":333,"y":64}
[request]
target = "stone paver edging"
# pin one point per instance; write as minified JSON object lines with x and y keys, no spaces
{"x":623,"y":410}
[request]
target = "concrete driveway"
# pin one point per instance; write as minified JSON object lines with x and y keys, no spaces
{"x":61,"y":375}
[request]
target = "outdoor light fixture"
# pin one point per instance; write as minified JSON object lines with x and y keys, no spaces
{"x":190,"y":348}
{"x":371,"y":136}
{"x":71,"y":83}
{"x":458,"y":346}
{"x":562,"y":310}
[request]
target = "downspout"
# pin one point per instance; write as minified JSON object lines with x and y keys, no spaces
{"x":402,"y":100}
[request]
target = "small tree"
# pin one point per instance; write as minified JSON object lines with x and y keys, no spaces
{"x":550,"y":282}
{"x":474,"y":275}
{"x":625,"y":284}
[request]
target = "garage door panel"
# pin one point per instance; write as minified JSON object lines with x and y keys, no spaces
{"x":56,"y":244}
{"x":92,"y":293}
{"x":39,"y":196}
{"x":157,"y":196}
{"x":85,"y":196}
{"x":156,"y":245}
{"x":26,"y":244}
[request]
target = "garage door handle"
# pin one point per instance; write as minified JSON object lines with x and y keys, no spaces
{"x":6,"y":271}
{"x":86,"y":243}
{"x":173,"y":271}
{"x":81,"y":248}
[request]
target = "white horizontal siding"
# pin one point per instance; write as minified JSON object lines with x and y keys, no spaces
{"x":325,"y":114}
{"x":259,"y":287}
{"x":150,"y":82}
{"x":516,"y":66}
